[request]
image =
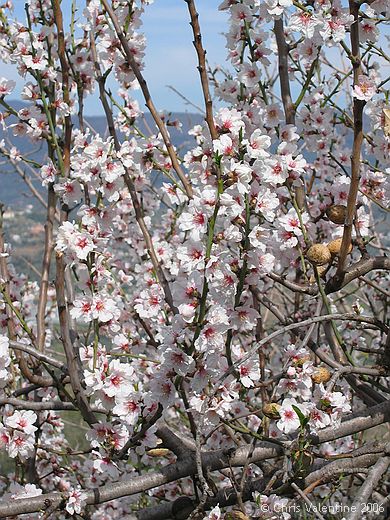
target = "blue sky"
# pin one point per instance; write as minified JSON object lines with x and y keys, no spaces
{"x":170,"y":55}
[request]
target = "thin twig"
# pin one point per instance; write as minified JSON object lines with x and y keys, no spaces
{"x":70,"y":345}
{"x":37,"y":354}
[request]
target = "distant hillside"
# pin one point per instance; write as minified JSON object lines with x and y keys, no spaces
{"x":13,"y":190}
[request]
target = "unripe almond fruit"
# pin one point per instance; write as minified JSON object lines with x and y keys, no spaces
{"x":321,"y":375}
{"x":335,"y":245}
{"x":271,"y":410}
{"x":318,"y":254}
{"x":337,"y":213}
{"x":157,"y":452}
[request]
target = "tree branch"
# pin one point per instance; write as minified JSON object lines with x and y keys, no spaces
{"x":46,"y":262}
{"x":358,"y":106}
{"x":361,"y":268}
{"x":213,"y":460}
{"x":202,"y":68}
{"x":21,"y":404}
{"x":148,"y":99}
{"x":288,"y":105}
{"x":70,"y":345}
{"x":178,"y":445}
{"x":38,"y":355}
{"x":293,"y":326}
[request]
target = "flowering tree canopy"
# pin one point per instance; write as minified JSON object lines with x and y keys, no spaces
{"x":214,"y":324}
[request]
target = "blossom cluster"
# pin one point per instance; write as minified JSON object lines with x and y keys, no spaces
{"x":17,"y":433}
{"x":168,"y":295}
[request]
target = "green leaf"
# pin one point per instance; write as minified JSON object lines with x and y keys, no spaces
{"x":302,"y":419}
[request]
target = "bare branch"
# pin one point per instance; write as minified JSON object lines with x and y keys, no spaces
{"x":65,"y":83}
{"x":293,"y":326}
{"x":213,"y":460}
{"x":364,"y":420}
{"x":38,"y":355}
{"x":21,"y":404}
{"x":361,"y":268}
{"x":46,"y":262}
{"x":4,"y":276}
{"x":307,"y":501}
{"x":288,"y":105}
{"x":178,"y":445}
{"x":202,"y":68}
{"x":338,"y":467}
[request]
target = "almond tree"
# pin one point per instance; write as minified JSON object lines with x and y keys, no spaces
{"x":217,"y":321}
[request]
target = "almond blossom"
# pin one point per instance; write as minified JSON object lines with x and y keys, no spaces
{"x":258,"y":144}
{"x":20,"y":445}
{"x":6,"y":86}
{"x":289,"y":421}
{"x":23,"y":421}
{"x":75,"y":501}
{"x":249,"y":75}
{"x":175,"y":308}
{"x":365,"y":89}
{"x":28,"y":491}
